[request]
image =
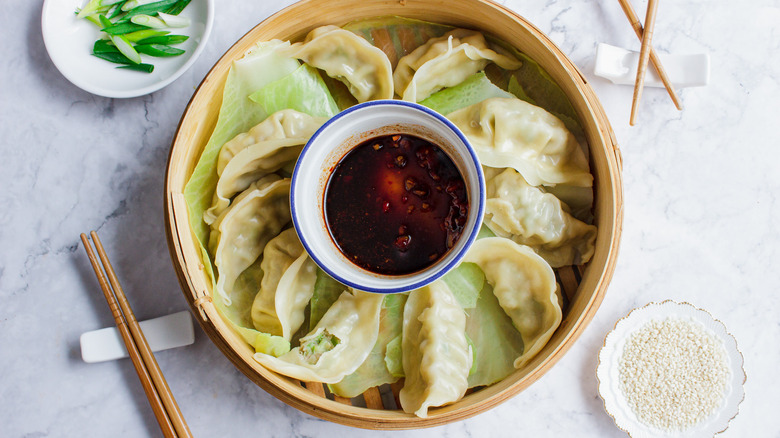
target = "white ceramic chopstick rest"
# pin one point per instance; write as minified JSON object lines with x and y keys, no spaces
{"x":619,"y":66}
{"x":163,"y":333}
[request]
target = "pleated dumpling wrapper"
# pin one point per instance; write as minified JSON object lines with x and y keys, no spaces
{"x":509,"y":132}
{"x":525,"y":287}
{"x":530,"y":216}
{"x":337,"y":346}
{"x":345,"y":56}
{"x":445,"y":61}
{"x":287,"y":286}
{"x":241,"y":232}
{"x":267,"y":147}
{"x":436,"y":355}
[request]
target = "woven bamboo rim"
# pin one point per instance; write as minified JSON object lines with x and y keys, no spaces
{"x":583,"y":286}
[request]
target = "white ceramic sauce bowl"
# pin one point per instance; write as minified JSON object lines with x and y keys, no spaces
{"x":339,"y":136}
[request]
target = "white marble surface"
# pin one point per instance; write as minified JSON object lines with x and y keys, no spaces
{"x":701,"y":225}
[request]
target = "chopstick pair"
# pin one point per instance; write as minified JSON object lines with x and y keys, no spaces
{"x":156,"y":388}
{"x":647,"y":52}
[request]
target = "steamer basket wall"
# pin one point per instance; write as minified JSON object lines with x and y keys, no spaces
{"x":584,"y":286}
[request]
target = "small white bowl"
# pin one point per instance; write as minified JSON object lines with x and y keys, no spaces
{"x":608,"y":373}
{"x":69,"y":41}
{"x":332,"y":142}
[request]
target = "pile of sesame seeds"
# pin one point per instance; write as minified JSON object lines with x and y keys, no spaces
{"x":673,"y":373}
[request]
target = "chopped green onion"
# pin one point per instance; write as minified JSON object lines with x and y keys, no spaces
{"x":96,"y":7}
{"x":131,"y":27}
{"x":144,"y":34}
{"x":104,"y":21}
{"x":148,"y":9}
{"x":149,"y":21}
{"x":110,"y":12}
{"x":93,"y":19}
{"x":89,"y":9}
{"x":126,"y":48}
{"x":118,"y":58}
{"x":123,"y":28}
{"x":173,"y":20}
{"x":135,"y":3}
{"x":178,"y":7}
{"x":159,"y":50}
{"x":104,"y":46}
{"x":117,"y":10}
{"x":115,"y":57}
{"x":122,"y":44}
{"x":146,"y":68}
{"x":168,"y":40}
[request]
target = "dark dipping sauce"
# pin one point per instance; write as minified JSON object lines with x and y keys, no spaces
{"x":395,"y":204}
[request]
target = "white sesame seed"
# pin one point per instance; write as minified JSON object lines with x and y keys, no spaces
{"x":673,"y":373}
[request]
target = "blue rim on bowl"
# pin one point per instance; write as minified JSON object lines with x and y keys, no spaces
{"x":304,"y":173}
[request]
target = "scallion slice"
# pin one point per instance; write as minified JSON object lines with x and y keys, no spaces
{"x":178,"y":7}
{"x":122,"y":43}
{"x":104,"y":46}
{"x":148,"y":9}
{"x":122,"y":28}
{"x":149,"y":21}
{"x":140,"y":35}
{"x":117,"y":10}
{"x":115,"y":57}
{"x":146,"y":68}
{"x":159,"y":50}
{"x":89,"y":9}
{"x":173,"y":20}
{"x":168,"y":40}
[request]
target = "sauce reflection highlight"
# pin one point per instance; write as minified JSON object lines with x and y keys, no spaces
{"x":395,"y":204}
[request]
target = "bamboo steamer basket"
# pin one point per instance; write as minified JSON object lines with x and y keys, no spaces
{"x":584,"y":286}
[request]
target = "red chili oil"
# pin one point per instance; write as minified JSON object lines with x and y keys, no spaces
{"x":395,"y":204}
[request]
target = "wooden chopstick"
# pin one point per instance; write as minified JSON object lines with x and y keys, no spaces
{"x":637,"y":26}
{"x":158,"y":393}
{"x":644,"y":56}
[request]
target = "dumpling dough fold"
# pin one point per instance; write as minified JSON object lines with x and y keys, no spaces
{"x":509,"y":132}
{"x":351,"y":323}
{"x":283,"y":124}
{"x":525,"y":287}
{"x":286,"y":288}
{"x":345,"y":56}
{"x":241,"y":232}
{"x":445,"y":61}
{"x":269,"y":146}
{"x":530,"y":216}
{"x":436,"y":356}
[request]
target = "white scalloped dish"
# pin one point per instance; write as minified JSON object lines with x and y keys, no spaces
{"x":608,"y":371}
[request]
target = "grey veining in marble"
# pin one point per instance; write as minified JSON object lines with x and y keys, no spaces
{"x":701,"y":225}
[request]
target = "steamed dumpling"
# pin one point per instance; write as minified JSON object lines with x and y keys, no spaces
{"x":284,"y":124}
{"x":508,"y":132}
{"x":530,"y":216}
{"x":375,"y":370}
{"x":345,"y":56}
{"x":337,"y":346}
{"x":287,"y":286}
{"x":269,"y":146}
{"x":240,"y":234}
{"x":525,"y":287}
{"x":248,"y":166}
{"x":436,"y":356}
{"x":445,"y":61}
